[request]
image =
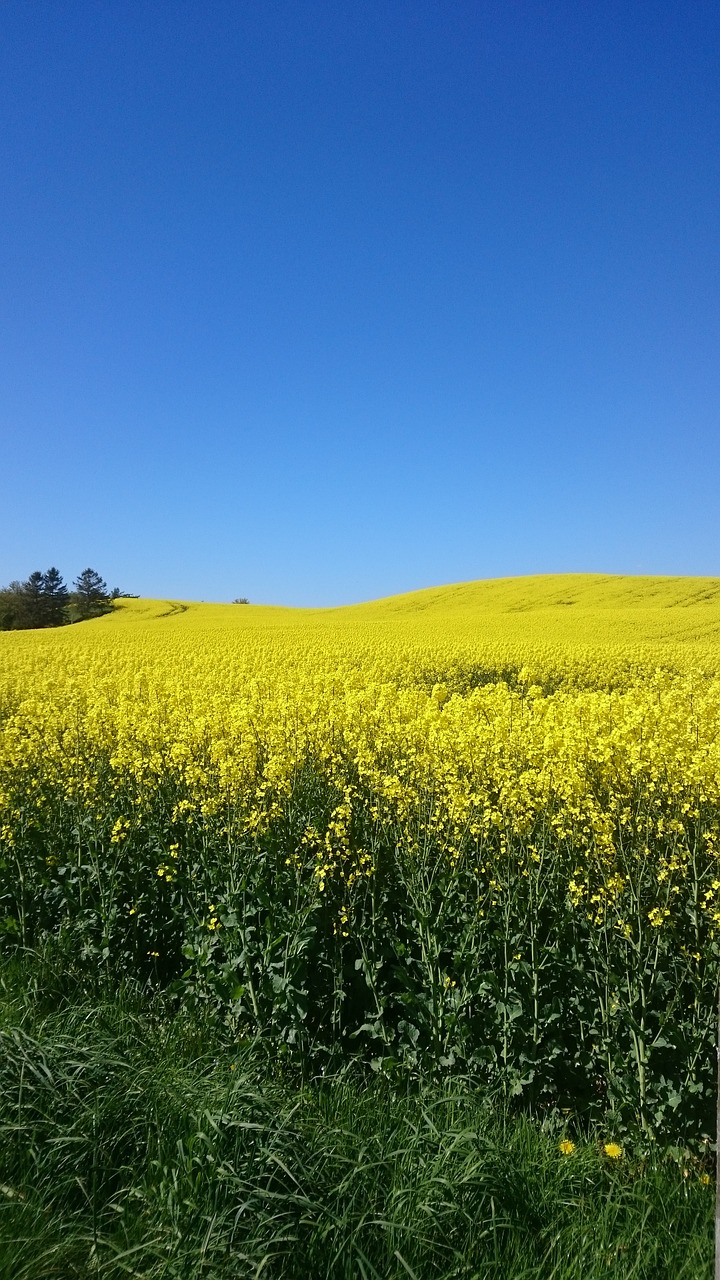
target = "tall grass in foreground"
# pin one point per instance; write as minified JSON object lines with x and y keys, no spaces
{"x":138,"y":1142}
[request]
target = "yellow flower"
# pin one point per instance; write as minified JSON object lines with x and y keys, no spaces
{"x":567,"y":1147}
{"x":613,"y":1150}
{"x":657,"y":916}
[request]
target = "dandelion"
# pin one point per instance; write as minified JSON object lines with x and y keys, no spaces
{"x":613,"y":1150}
{"x":566,"y":1147}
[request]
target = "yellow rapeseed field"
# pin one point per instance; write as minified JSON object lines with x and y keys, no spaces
{"x":568,"y":699}
{"x":473,"y":824}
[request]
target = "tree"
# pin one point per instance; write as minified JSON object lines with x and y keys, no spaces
{"x":43,"y":600}
{"x":12,"y":607}
{"x":55,"y":597}
{"x":40,"y":601}
{"x":32,"y":591}
{"x":90,"y":595}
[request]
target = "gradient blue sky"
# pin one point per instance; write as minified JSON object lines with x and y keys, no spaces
{"x":315,"y":301}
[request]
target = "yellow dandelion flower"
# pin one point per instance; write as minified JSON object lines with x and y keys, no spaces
{"x":613,"y":1150}
{"x":566,"y":1147}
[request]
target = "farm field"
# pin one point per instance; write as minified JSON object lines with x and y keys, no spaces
{"x":449,"y":851}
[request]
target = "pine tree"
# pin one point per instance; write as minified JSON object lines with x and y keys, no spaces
{"x":33,"y":603}
{"x":55,"y":598}
{"x":90,"y":594}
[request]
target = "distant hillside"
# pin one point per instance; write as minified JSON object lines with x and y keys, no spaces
{"x":581,"y":607}
{"x":586,"y":609}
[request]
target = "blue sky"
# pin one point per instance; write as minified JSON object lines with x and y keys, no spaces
{"x":315,"y":301}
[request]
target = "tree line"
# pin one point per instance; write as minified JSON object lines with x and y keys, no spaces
{"x":43,"y":600}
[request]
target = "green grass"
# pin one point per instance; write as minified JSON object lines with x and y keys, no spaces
{"x":139,"y":1140}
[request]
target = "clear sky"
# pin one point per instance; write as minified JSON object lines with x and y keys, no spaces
{"x":315,"y":301}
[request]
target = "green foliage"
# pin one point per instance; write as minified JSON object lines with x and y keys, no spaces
{"x":41,"y":601}
{"x":417,"y":971}
{"x":12,"y":607}
{"x":91,"y":597}
{"x":55,"y":597}
{"x":138,"y":1141}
